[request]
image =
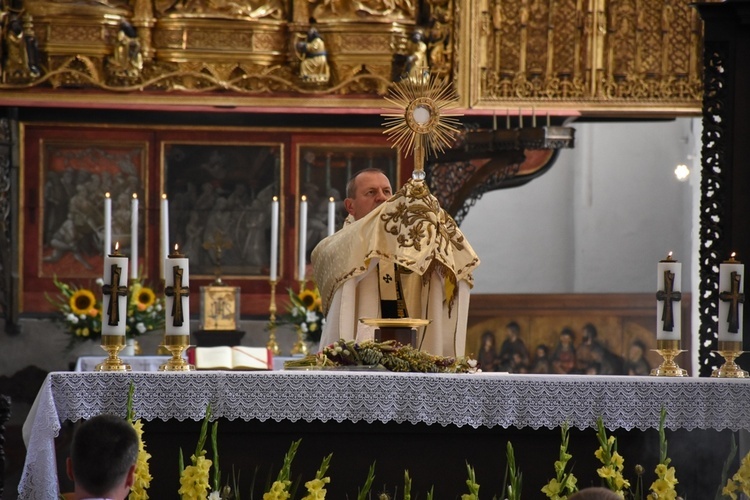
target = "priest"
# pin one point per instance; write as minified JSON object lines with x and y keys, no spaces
{"x":397,"y":256}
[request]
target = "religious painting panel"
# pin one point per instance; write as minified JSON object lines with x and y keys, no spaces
{"x":67,"y":171}
{"x":605,"y":345}
{"x":323,"y":171}
{"x":220,"y":194}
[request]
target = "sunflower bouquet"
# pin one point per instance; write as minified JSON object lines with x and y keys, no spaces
{"x":306,"y":312}
{"x":81,"y":310}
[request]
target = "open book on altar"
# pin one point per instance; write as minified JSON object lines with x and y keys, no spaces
{"x":232,"y":358}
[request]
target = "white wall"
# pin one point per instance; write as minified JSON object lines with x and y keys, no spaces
{"x":597,"y":222}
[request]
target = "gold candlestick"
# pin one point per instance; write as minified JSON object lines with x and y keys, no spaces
{"x":729,"y":350}
{"x":272,"y":345}
{"x":176,"y":345}
{"x":668,"y":349}
{"x":113,"y":344}
{"x":299,"y":347}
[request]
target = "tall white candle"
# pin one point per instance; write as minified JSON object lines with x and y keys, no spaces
{"x":302,"y":238}
{"x":177,"y":288}
{"x":164,"y":229}
{"x":134,"y":236}
{"x":114,"y":312}
{"x":731,"y":286}
{"x":668,"y":295}
{"x":273,"y":271}
{"x":331,"y":216}
{"x":107,"y":225}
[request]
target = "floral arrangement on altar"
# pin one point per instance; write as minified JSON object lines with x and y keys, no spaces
{"x":388,"y":355}
{"x":306,"y":312}
{"x":81,"y":310}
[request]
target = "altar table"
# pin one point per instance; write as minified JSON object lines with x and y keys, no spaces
{"x":442,"y":405}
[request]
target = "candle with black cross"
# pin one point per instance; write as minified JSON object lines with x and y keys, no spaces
{"x":114,"y":310}
{"x":668,"y":317}
{"x":177,"y":292}
{"x":177,"y":310}
{"x":731,"y":299}
{"x":668,"y":297}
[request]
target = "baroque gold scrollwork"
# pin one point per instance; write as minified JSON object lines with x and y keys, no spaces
{"x":418,"y":222}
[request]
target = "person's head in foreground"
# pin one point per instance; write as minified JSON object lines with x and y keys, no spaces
{"x":102,"y":458}
{"x":368,"y":189}
{"x":595,"y":493}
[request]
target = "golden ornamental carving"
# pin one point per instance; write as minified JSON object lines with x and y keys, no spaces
{"x":615,"y":55}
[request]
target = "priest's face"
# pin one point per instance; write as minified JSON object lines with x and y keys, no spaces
{"x":372,"y":189}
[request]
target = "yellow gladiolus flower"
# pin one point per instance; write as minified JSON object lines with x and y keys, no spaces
{"x":82,"y":301}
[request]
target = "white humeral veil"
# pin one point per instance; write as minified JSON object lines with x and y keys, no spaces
{"x":410,"y":230}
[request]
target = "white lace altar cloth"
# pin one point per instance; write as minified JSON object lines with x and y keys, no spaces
{"x":476,"y":400}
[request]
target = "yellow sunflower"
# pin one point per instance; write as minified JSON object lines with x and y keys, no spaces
{"x":145,"y":298}
{"x":308,"y":298}
{"x":82,"y":301}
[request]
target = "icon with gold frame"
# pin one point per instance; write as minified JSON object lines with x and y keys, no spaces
{"x":220,"y":309}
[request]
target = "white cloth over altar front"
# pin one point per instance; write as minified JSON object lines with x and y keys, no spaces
{"x":478,"y":400}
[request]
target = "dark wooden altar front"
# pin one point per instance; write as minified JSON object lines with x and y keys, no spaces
{"x":435,"y":456}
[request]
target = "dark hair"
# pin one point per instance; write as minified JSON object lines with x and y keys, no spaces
{"x":639,"y":343}
{"x":102,"y":451}
{"x":351,"y":186}
{"x":591,"y":329}
{"x":569,"y":332}
{"x":513,"y":326}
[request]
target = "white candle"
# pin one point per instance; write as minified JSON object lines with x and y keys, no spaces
{"x":164,"y":229}
{"x":176,"y":287}
{"x":302,"y":238}
{"x":134,"y":236}
{"x":114,"y":320}
{"x":331,"y":216}
{"x":274,"y":239}
{"x":107,"y":224}
{"x":731,"y":285}
{"x":668,"y":285}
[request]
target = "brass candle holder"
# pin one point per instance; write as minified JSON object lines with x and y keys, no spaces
{"x":272,"y":345}
{"x":113,"y":344}
{"x":299,"y":346}
{"x":668,"y":349}
{"x":729,"y":350}
{"x":176,"y":345}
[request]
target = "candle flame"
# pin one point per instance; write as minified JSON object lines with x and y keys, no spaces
{"x":669,"y":255}
{"x":304,"y":198}
{"x":330,"y":199}
{"x":107,"y":195}
{"x":135,"y":196}
{"x":176,"y":248}
{"x":117,"y":246}
{"x":275,"y":198}
{"x":164,"y":196}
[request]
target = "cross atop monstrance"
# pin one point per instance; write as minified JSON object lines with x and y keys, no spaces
{"x":218,"y":244}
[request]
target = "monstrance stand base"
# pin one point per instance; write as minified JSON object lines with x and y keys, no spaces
{"x":730,"y":351}
{"x":113,"y":344}
{"x":176,"y":345}
{"x":668,"y":349}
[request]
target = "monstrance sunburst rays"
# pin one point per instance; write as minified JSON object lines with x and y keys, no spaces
{"x":422,"y":124}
